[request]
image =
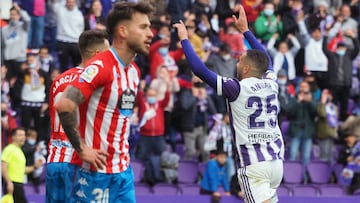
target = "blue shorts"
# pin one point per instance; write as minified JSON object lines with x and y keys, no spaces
{"x":60,"y":179}
{"x":97,"y":187}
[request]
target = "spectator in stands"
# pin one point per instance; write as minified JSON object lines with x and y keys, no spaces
{"x":289,"y":14}
{"x":225,"y":9}
{"x":233,"y":38}
{"x":5,"y":85}
{"x":286,"y":92}
{"x":196,"y":106}
{"x":223,"y":64}
{"x":177,"y":9}
{"x":194,"y":39}
{"x":70,"y":24}
{"x":165,"y":74}
{"x":321,"y":17}
{"x":302,"y":113}
{"x":315,"y":58}
{"x":345,"y":24}
{"x":15,"y":39}
{"x":200,"y":7}
{"x":210,"y":183}
{"x":346,"y":156}
{"x":340,"y":70}
{"x":29,"y":149}
{"x":252,"y":9}
{"x":8,"y":123}
{"x":36,"y":10}
{"x":283,"y":57}
{"x":34,"y":97}
{"x":45,"y":60}
{"x":163,"y":32}
{"x":152,"y":128}
{"x":326,"y":126}
{"x":94,"y":20}
{"x":267,"y":24}
{"x":314,"y":88}
{"x":160,"y":54}
{"x":352,"y":122}
{"x":13,"y":166}
{"x":50,"y":26}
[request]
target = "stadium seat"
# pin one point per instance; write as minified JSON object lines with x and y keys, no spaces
{"x":189,"y":189}
{"x":319,"y":172}
{"x":201,"y":168}
{"x":180,"y":150}
{"x":285,"y":128}
{"x":293,"y":172}
{"x":165,"y":189}
{"x":305,"y":191}
{"x":29,"y":189}
{"x":283,"y":191}
{"x":357,"y":192}
{"x":331,"y":191}
{"x":187,"y":172}
{"x":337,"y":169}
{"x":142,"y":189}
{"x":138,"y":169}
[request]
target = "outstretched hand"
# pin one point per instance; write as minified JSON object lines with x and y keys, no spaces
{"x":241,"y":22}
{"x":181,"y":29}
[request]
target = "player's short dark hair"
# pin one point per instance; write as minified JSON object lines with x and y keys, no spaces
{"x":258,"y":60}
{"x":91,"y":38}
{"x":124,"y":11}
{"x":14,"y":9}
{"x":14,"y":131}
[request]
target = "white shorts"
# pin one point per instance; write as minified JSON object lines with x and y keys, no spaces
{"x":259,"y":181}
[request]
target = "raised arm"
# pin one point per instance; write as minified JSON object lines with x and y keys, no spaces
{"x":242,"y":24}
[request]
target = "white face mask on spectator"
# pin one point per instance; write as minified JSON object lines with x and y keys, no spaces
{"x":268,"y":12}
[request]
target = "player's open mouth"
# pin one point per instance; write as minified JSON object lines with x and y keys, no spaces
{"x":148,"y":43}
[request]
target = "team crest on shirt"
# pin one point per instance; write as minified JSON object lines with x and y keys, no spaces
{"x":89,"y":73}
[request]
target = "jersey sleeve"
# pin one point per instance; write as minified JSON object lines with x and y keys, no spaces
{"x":93,"y":76}
{"x":227,"y":87}
{"x":6,"y":155}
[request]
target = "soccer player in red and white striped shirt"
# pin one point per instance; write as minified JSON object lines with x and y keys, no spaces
{"x":105,"y":95}
{"x":62,"y":159}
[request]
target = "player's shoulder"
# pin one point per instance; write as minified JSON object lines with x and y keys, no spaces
{"x":102,"y":59}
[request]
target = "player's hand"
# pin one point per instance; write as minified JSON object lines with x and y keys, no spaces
{"x":181,"y":29}
{"x":241,"y":22}
{"x":10,"y":187}
{"x":216,"y":194}
{"x":38,"y":163}
{"x":96,"y":158}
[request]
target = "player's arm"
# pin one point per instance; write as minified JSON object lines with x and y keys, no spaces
{"x":5,"y":175}
{"x":66,"y":108}
{"x":242,"y":24}
{"x":223,"y":86}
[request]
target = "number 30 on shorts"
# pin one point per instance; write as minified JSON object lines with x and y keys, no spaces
{"x":101,"y":196}
{"x":270,"y":109}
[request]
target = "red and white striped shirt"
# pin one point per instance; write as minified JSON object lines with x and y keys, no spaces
{"x":60,"y":148}
{"x":109,"y":88}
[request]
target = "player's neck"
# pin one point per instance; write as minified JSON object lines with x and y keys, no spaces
{"x":125,"y":54}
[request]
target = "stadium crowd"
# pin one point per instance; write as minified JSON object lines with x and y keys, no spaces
{"x":314,"y":46}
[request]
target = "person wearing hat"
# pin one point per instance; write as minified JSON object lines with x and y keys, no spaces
{"x":348,"y":154}
{"x":340,"y":70}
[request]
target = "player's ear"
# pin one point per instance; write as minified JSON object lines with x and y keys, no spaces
{"x":121,"y":30}
{"x":246,"y":69}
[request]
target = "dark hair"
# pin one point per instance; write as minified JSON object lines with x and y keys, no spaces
{"x":225,"y":47}
{"x":14,"y":131}
{"x":14,"y":9}
{"x":90,"y":38}
{"x":44,"y":46}
{"x":124,"y":11}
{"x":258,"y":60}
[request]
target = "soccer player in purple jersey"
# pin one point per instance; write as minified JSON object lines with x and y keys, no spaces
{"x":253,"y":108}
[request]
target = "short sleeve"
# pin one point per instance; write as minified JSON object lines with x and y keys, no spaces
{"x":227,"y":87}
{"x":92,"y":77}
{"x":6,"y":155}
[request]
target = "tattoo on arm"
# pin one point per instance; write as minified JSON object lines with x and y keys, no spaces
{"x":70,"y":126}
{"x":69,"y":119}
{"x":74,"y":94}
